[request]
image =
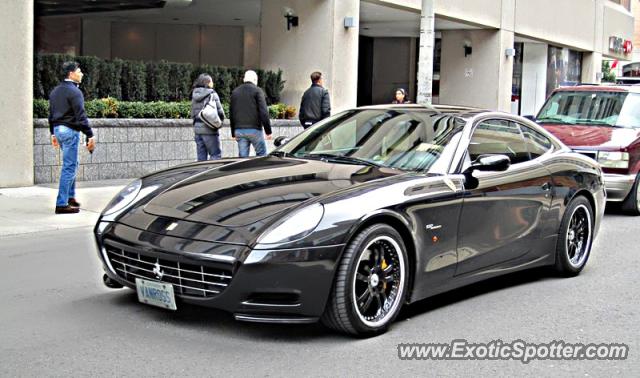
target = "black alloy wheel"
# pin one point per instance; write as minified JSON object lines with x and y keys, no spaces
{"x":371,"y":283}
{"x":575,"y":237}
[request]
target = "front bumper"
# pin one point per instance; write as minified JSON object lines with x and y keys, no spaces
{"x":618,"y":186}
{"x":275,"y":286}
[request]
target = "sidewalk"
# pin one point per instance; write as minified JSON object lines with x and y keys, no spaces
{"x":31,"y":209}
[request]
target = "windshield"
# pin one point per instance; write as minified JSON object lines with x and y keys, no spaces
{"x":615,"y":109}
{"x":401,"y":139}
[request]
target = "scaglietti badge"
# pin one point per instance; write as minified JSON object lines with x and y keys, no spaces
{"x":157,"y":271}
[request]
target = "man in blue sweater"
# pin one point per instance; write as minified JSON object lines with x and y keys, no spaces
{"x":67,"y":119}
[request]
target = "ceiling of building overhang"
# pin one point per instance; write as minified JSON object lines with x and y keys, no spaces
{"x":71,"y":7}
{"x":375,"y":20}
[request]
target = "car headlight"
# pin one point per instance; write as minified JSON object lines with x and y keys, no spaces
{"x":613,"y":159}
{"x":124,"y":198}
{"x":295,"y":227}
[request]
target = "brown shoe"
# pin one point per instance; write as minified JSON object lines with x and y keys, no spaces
{"x":67,"y":210}
{"x":73,"y":202}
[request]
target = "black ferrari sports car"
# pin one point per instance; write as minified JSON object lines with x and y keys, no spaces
{"x":366,"y":211}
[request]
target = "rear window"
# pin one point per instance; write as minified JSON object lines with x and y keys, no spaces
{"x":616,"y":109}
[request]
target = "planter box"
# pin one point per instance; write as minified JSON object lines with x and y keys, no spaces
{"x":129,"y":148}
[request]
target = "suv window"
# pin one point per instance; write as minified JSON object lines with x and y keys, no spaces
{"x":537,"y":144}
{"x":598,"y":108}
{"x":498,"y":137}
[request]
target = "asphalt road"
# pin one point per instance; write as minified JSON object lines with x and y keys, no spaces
{"x":57,"y":319}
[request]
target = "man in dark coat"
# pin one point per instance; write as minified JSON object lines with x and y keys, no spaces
{"x":67,"y":119}
{"x":315,"y":105}
{"x":249,"y":116}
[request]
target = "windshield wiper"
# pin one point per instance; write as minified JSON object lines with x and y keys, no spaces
{"x":553,"y":119}
{"x":342,"y":159}
{"x":279,"y":154}
{"x":595,"y":123}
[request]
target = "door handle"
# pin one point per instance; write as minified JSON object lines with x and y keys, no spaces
{"x":546,"y":186}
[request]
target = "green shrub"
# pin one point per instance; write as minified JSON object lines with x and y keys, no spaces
{"x":40,"y":108}
{"x":90,"y":66}
{"x":158,"y":80}
{"x":112,"y":108}
{"x":152,"y":81}
{"x":109,"y":84}
{"x":102,"y":108}
{"x":133,"y":81}
{"x":180,"y":81}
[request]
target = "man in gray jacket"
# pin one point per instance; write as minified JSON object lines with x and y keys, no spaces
{"x":207,"y":139}
{"x":315,"y":105}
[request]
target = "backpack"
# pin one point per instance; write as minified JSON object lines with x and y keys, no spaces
{"x":209,"y":114}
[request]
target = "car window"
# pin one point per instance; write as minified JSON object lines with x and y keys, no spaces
{"x":407,"y":140}
{"x":592,"y":108}
{"x":498,"y":137}
{"x":537,"y":144}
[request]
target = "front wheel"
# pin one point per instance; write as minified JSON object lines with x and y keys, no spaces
{"x":371,"y":283}
{"x":631,"y":204}
{"x":575,"y":237}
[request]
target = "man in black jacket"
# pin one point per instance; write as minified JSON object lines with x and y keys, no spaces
{"x":315,"y":105}
{"x":249,"y":115}
{"x":67,"y":119}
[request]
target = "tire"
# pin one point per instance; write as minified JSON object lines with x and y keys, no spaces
{"x":631,"y":204}
{"x":575,"y":237}
{"x":375,"y":269}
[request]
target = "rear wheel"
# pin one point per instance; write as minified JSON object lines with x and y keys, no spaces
{"x":631,"y":204}
{"x":370,"y":284}
{"x":575,"y":237}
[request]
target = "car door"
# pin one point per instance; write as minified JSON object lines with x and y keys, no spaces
{"x":501,"y":218}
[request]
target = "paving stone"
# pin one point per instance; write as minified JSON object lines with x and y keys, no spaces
{"x":155,"y":150}
{"x":114,"y":152}
{"x":134,"y":134}
{"x":91,"y":172}
{"x":142,"y":151}
{"x":42,"y":175}
{"x":51,"y":155}
{"x":128,"y":152}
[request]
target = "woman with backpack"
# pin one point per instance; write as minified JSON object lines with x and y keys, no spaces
{"x":207,"y":137}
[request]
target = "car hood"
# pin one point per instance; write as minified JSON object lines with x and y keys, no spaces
{"x":251,"y":191}
{"x":593,"y":136}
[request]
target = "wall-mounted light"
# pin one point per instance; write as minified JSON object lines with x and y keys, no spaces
{"x":292,"y":21}
{"x":510,"y":52}
{"x":467,"y":48}
{"x":350,"y":22}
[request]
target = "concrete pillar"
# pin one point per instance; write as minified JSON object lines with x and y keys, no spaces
{"x":319,"y":43}
{"x":16,"y":100}
{"x":425,"y":55}
{"x":591,"y":67}
{"x":483,"y":78}
{"x":534,"y":77}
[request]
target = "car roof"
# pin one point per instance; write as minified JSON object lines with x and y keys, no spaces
{"x":460,"y":111}
{"x":600,"y":88}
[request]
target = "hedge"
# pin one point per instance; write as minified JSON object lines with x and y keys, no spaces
{"x":112,"y":108}
{"x":127,"y":80}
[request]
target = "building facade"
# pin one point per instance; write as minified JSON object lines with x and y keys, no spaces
{"x":500,"y":54}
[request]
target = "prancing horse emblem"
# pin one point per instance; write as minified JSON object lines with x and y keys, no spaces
{"x":157,"y":271}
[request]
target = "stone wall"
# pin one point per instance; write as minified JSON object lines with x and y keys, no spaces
{"x":128,"y":148}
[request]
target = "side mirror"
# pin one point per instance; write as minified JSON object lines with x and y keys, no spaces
{"x":530,"y":117}
{"x":495,"y":163}
{"x":279,"y":141}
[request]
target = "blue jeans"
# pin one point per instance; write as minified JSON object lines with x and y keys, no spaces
{"x":69,"y":140}
{"x":208,"y":147}
{"x":246,"y":137}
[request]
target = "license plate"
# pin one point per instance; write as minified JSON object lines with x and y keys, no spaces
{"x":156,"y":293}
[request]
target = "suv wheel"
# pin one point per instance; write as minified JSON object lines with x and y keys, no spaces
{"x":631,"y":204}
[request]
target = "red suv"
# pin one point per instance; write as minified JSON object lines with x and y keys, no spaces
{"x":602,"y":122}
